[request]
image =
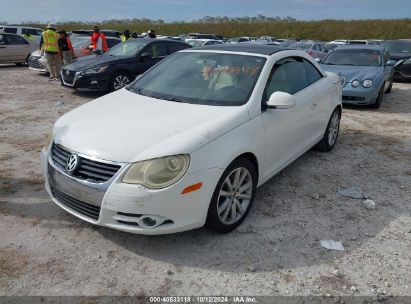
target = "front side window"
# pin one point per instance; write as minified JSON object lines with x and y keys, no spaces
{"x":175,"y":47}
{"x":15,"y":40}
{"x":313,"y":74}
{"x":202,"y":78}
{"x":156,"y":50}
{"x":288,"y":75}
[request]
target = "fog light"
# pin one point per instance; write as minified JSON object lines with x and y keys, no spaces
{"x":148,"y":221}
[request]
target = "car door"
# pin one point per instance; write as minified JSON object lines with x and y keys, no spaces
{"x":288,"y":132}
{"x":17,"y":48}
{"x":150,"y":55}
{"x":3,"y":50}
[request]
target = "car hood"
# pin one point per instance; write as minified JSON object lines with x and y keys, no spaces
{"x":90,"y":61}
{"x":400,"y":56}
{"x":353,"y":72}
{"x":127,"y":127}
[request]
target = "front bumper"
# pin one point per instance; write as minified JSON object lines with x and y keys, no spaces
{"x":359,"y":95}
{"x":37,"y":64}
{"x":119,"y":205}
{"x":78,"y":81}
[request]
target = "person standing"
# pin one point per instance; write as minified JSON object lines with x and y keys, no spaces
{"x":125,"y":36}
{"x":65,"y":47}
{"x":151,"y":34}
{"x":98,"y":41}
{"x":49,"y":43}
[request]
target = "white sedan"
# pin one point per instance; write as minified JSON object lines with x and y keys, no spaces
{"x":188,"y":143}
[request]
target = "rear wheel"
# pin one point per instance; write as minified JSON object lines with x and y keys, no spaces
{"x":233,"y":196}
{"x":331,"y":133}
{"x":119,"y":80}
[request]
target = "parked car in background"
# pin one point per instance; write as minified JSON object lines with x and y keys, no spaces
{"x":268,"y":39}
{"x":15,"y":49}
{"x":357,"y":42}
{"x":188,"y":143}
{"x":238,"y":40}
{"x":374,"y":42}
{"x":366,"y":73}
{"x":119,"y":66}
{"x":80,"y":44}
{"x":400,"y":50}
{"x":317,"y":50}
{"x":27,"y":31}
{"x":200,"y":36}
{"x":330,"y":46}
{"x":202,"y":42}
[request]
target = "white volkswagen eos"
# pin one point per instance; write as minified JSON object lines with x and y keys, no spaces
{"x":187,"y":143}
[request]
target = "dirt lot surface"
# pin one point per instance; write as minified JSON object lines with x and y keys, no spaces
{"x":276,"y":251}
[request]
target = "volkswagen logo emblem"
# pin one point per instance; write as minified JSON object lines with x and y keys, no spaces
{"x":72,"y":163}
{"x":67,"y":72}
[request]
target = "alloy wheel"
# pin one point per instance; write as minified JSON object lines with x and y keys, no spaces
{"x":120,"y":81}
{"x":235,"y":196}
{"x":334,"y":128}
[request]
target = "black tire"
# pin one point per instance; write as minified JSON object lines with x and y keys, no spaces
{"x":326,"y":144}
{"x":115,"y":78}
{"x":378,"y":101}
{"x":389,"y":89}
{"x":214,"y":222}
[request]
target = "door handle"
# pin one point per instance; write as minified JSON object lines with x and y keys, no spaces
{"x":313,"y":106}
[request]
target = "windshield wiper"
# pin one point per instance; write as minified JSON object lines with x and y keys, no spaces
{"x":169,"y":99}
{"x":137,"y":91}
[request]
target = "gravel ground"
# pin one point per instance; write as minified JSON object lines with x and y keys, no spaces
{"x":276,"y":251}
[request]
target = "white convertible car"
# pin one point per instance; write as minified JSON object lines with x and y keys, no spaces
{"x":188,"y":143}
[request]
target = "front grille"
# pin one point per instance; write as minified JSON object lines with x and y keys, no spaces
{"x":353,"y":98}
{"x":88,"y":210}
{"x":34,"y":63}
{"x":68,"y":76}
{"x":88,"y":170}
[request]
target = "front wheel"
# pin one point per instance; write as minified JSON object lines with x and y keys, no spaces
{"x":331,"y":133}
{"x":378,"y":101}
{"x":233,"y":196}
{"x":119,"y":80}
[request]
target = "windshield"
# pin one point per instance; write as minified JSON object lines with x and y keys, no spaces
{"x":80,"y":41}
{"x":127,"y":48}
{"x":202,"y":78}
{"x":356,"y":57}
{"x":398,"y":47}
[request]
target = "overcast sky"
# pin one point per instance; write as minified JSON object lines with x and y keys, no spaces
{"x":14,"y":11}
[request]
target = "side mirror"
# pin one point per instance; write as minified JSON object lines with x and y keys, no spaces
{"x":281,"y":100}
{"x":145,"y":56}
{"x":318,"y":59}
{"x":391,"y":62}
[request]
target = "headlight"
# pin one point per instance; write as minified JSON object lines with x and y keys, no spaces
{"x":355,"y":83}
{"x":96,"y":70}
{"x":158,"y":173}
{"x":49,"y":139}
{"x":367,"y":83}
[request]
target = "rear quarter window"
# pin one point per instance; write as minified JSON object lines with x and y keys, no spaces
{"x":11,"y":30}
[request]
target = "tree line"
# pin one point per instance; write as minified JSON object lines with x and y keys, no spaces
{"x":259,"y":25}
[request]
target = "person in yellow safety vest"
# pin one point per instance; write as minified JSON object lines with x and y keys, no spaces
{"x":126,"y":35}
{"x":49,"y":43}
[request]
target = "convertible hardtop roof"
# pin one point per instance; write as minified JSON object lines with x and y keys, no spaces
{"x":260,"y":49}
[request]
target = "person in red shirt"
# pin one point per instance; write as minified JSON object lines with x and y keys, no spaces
{"x":98,"y":41}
